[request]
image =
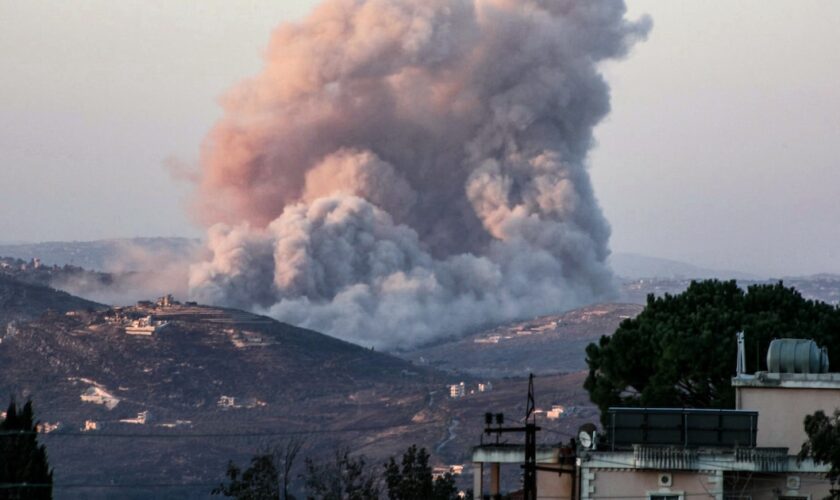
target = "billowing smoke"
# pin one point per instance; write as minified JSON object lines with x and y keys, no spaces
{"x":408,"y":169}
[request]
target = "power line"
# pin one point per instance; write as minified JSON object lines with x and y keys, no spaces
{"x":205,"y":435}
{"x":152,"y":485}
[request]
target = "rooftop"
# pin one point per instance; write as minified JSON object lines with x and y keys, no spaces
{"x":760,"y":460}
{"x":514,"y":453}
{"x":788,"y":380}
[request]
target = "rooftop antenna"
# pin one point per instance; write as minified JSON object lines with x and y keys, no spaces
{"x":530,"y":405}
{"x":530,"y":466}
{"x":741,"y":365}
{"x":530,"y":429}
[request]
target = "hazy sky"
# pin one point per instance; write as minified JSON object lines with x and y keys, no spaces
{"x":722,"y":147}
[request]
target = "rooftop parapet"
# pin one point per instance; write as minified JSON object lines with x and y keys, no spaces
{"x":788,"y":380}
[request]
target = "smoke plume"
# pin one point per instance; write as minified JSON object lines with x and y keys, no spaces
{"x":408,"y":169}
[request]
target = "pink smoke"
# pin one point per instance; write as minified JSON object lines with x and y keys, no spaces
{"x":414,"y":161}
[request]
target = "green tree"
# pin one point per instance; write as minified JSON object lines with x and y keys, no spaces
{"x":680,"y":350}
{"x":22,"y":459}
{"x":267,"y":477}
{"x":823,"y":444}
{"x":343,"y":478}
{"x":287,"y":457}
{"x":412,"y":478}
{"x":257,"y":482}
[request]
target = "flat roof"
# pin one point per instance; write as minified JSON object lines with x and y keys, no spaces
{"x":690,"y":411}
{"x":513,"y":453}
{"x":771,"y":380}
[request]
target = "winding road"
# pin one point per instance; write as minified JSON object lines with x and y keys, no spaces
{"x":450,"y":431}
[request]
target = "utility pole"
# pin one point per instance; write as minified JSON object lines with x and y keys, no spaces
{"x":530,"y":429}
{"x":530,"y":483}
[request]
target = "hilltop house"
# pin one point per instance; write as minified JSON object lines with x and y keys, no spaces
{"x":746,"y":453}
{"x":145,"y":326}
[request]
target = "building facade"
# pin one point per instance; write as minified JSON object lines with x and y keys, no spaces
{"x":748,"y":453}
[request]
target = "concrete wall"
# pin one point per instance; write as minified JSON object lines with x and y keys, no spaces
{"x":551,"y":485}
{"x":601,"y":483}
{"x":781,"y":412}
{"x":771,"y":487}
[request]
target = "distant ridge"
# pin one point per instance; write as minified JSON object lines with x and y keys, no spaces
{"x":97,"y":255}
{"x":637,"y":266}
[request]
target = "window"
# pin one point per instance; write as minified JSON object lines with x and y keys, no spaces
{"x":664,"y":497}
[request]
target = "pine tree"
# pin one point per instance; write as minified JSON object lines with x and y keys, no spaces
{"x":257,"y":482}
{"x":680,"y":350}
{"x":412,"y":479}
{"x":24,"y":470}
{"x":344,"y":478}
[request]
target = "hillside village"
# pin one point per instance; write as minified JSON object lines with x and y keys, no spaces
{"x":99,"y":356}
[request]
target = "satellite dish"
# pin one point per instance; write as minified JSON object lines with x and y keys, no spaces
{"x":586,"y":436}
{"x":585,"y":440}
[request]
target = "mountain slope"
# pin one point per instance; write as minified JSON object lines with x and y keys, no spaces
{"x":208,"y":371}
{"x":548,"y":344}
{"x":24,"y":301}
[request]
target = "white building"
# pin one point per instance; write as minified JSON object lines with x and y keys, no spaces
{"x":99,"y":396}
{"x":555,"y":412}
{"x":46,"y":427}
{"x":226,"y":402}
{"x":457,"y":390}
{"x":140,"y":419}
{"x":146,"y":326}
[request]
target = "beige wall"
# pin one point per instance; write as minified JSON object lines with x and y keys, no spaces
{"x":781,"y":412}
{"x":639,"y":483}
{"x":702,"y":485}
{"x":551,"y":485}
{"x":771,"y":487}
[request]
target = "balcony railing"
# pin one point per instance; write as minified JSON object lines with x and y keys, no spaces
{"x":679,"y":458}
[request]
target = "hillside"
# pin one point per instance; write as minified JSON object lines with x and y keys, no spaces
{"x":25,"y":301}
{"x":208,"y":371}
{"x":548,"y":344}
{"x":165,"y":413}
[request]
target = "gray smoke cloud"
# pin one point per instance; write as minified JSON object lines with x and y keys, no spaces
{"x":403,"y":170}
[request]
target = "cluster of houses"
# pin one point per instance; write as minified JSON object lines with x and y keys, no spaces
{"x":746,"y":453}
{"x":138,"y":324}
{"x":460,"y":390}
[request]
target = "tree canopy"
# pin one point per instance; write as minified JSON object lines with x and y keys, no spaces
{"x":412,"y":478}
{"x":258,"y":482}
{"x":823,"y":444}
{"x":344,"y":478}
{"x":680,"y":350}
{"x":22,"y":459}
{"x":267,"y":478}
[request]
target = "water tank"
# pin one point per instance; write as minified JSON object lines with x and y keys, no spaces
{"x":796,"y":356}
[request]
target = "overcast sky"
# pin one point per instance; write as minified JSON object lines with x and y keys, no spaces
{"x":722,"y":147}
